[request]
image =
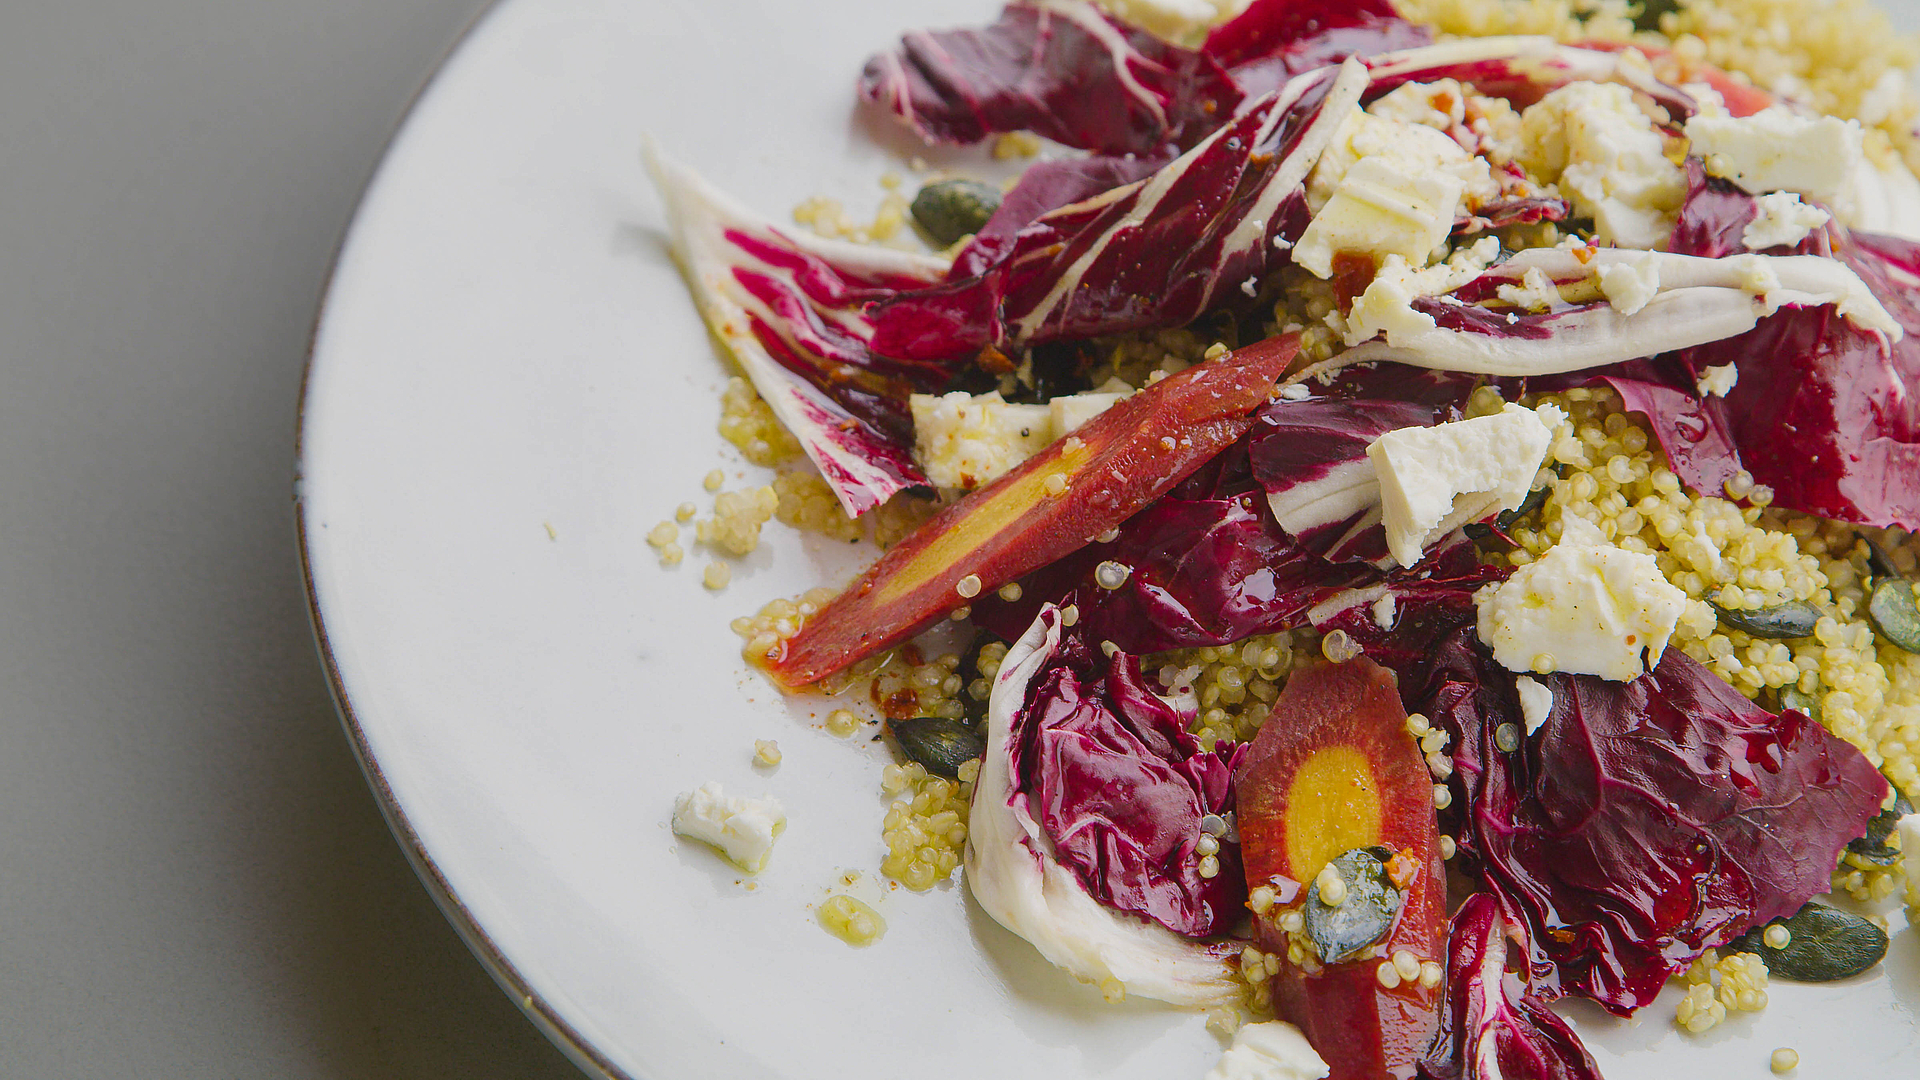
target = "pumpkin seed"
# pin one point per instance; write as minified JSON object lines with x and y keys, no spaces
{"x":1826,"y":944}
{"x":1480,"y":530}
{"x":1879,"y":563}
{"x":937,"y":743}
{"x":1893,"y":613}
{"x":950,"y":209}
{"x":1650,"y":12}
{"x":1873,"y":846}
{"x":1343,"y":931}
{"x":1793,"y":619}
{"x":1793,"y":698}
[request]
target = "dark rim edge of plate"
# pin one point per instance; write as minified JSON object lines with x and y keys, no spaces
{"x":543,"y":1015}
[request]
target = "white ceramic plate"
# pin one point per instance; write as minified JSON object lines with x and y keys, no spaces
{"x":509,"y":388}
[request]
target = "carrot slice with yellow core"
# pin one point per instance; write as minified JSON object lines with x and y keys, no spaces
{"x":1046,"y":508}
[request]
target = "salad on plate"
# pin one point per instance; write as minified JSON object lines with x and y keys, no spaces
{"x":1390,"y":522}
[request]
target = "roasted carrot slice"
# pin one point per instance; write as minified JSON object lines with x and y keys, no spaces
{"x":1050,"y":506}
{"x":1334,"y":769}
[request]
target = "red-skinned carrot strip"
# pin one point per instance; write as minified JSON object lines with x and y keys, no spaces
{"x":1046,"y":508}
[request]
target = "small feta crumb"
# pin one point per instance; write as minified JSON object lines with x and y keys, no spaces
{"x":1777,"y":149}
{"x":1536,"y":292}
{"x":1781,"y":220}
{"x":1269,"y":1050}
{"x":1629,"y":285}
{"x":1601,"y":609}
{"x":1717,"y":381}
{"x":1295,"y":392}
{"x":1435,"y":479}
{"x":1536,"y":702}
{"x":740,"y":828}
{"x":1383,"y":612}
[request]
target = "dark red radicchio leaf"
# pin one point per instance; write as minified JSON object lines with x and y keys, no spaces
{"x":1062,"y":69}
{"x":1645,"y":821}
{"x":1495,"y":1035}
{"x":1274,"y":40}
{"x":1118,"y":784}
{"x":1823,"y":412}
{"x":1714,"y":216}
{"x":1158,"y":253}
{"x":1044,"y":187}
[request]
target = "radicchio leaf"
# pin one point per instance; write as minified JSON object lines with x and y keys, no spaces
{"x":1015,"y":874}
{"x":1714,"y":216}
{"x":1274,"y":40}
{"x":1494,"y":1034}
{"x":1062,"y":69}
{"x":1044,"y":187}
{"x":789,"y":309}
{"x":1646,"y":821}
{"x":1160,"y":252}
{"x":1825,"y":413}
{"x":1111,"y":773}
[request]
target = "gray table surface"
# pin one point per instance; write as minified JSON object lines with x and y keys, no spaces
{"x":194,"y":880}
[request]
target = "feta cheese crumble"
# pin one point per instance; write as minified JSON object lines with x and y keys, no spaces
{"x":1608,"y":159}
{"x":1718,"y":381}
{"x":1270,"y":1050}
{"x":1629,"y":285}
{"x":1586,"y":606}
{"x":1435,"y":479}
{"x":965,"y":441}
{"x":1781,"y":220}
{"x":740,"y":828}
{"x":1387,"y":187}
{"x":1776,"y":149}
{"x":1536,"y":702}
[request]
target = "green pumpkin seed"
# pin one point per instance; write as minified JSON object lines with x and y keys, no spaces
{"x":1879,"y":563}
{"x":1341,"y":932}
{"x":1650,"y":12}
{"x":1792,"y":698}
{"x":1826,"y":944}
{"x":950,"y":209}
{"x":938,"y":744}
{"x":1793,"y":619}
{"x":1873,"y":846}
{"x":1893,"y":613}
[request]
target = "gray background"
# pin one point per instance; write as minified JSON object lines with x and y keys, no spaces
{"x":194,"y":880}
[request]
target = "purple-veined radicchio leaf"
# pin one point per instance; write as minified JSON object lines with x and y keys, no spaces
{"x":1113,"y":776}
{"x":1044,"y":187}
{"x":1642,"y":822}
{"x":1160,"y":252}
{"x":1494,"y":1034}
{"x":1019,"y":878}
{"x":1274,"y":40}
{"x":1824,"y":412}
{"x":789,"y":308}
{"x":1714,"y":216}
{"x":1063,"y":69}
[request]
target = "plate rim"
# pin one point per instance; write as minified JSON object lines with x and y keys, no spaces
{"x":544,"y":1017}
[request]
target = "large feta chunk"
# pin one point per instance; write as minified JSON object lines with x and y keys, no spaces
{"x":1608,"y":159}
{"x":742,"y":829}
{"x":1381,"y":208}
{"x":1586,"y":606}
{"x":1387,"y":186}
{"x":1069,"y":411}
{"x":964,"y":441}
{"x":1270,"y":1050}
{"x":1781,"y":220}
{"x":1435,"y":479}
{"x":1777,"y":149}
